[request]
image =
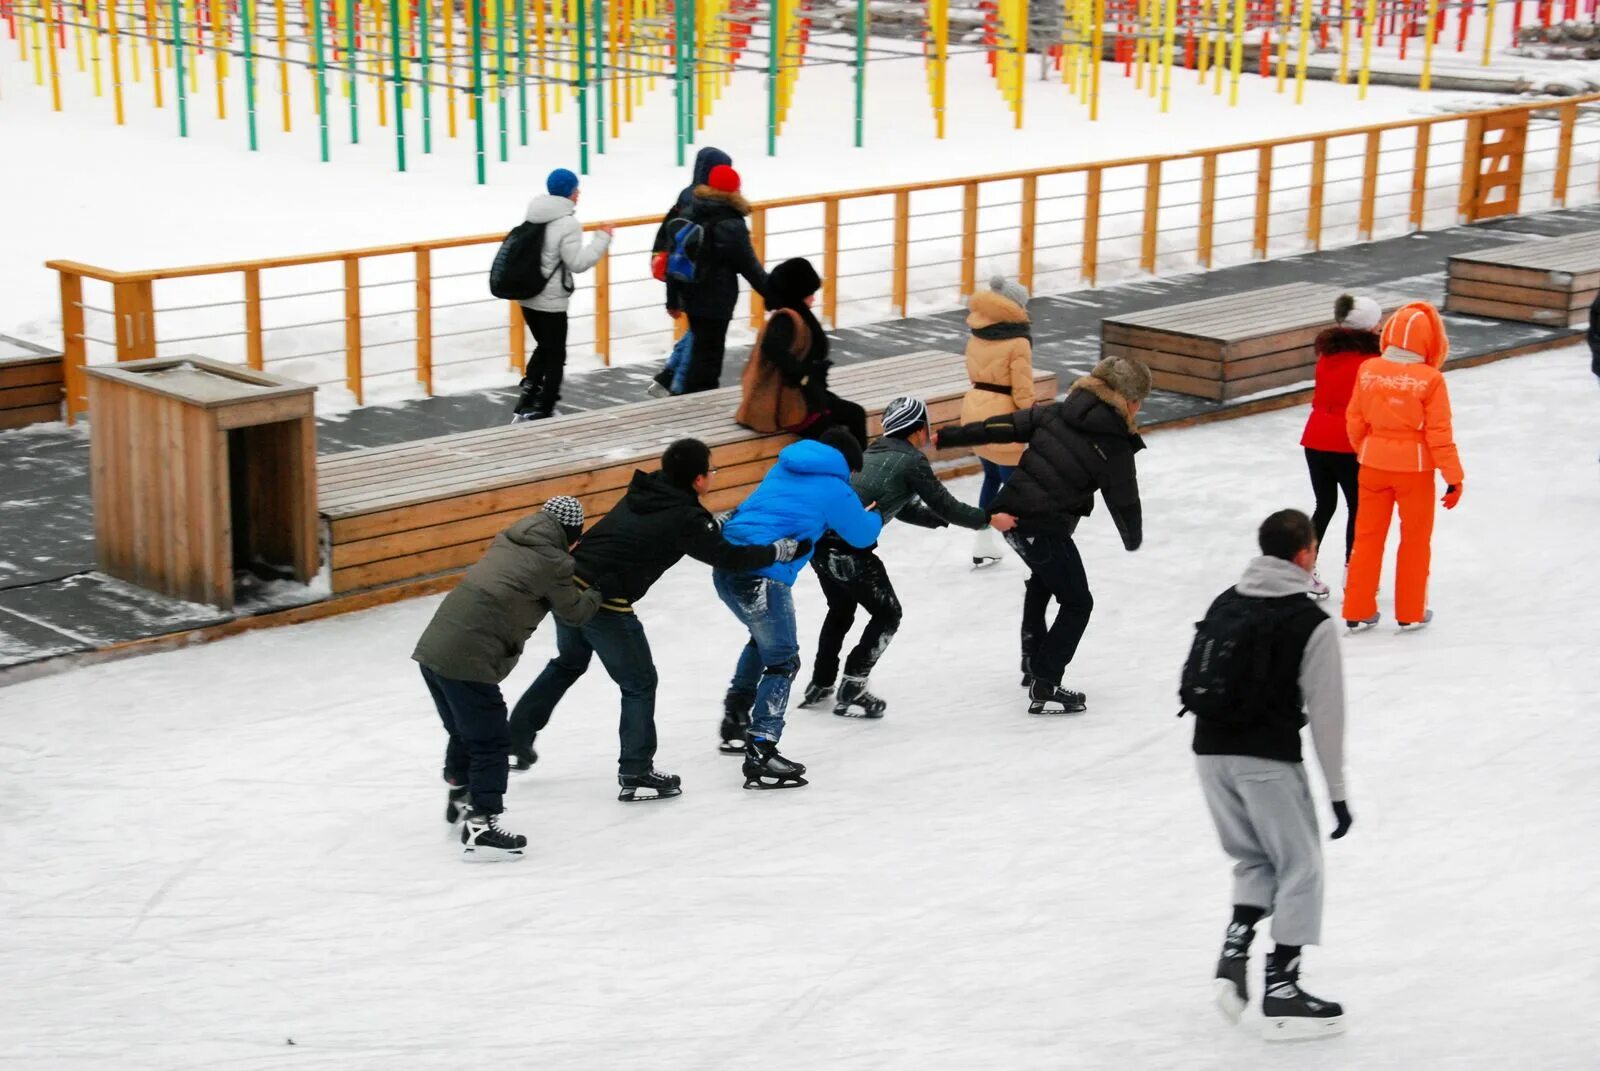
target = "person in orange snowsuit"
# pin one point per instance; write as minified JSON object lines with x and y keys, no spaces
{"x":1399,"y":424}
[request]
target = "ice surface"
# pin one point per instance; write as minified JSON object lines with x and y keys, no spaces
{"x":206,"y":853}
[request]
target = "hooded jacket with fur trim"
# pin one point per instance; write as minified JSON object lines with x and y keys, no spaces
{"x":1075,"y":447}
{"x":1000,"y":357}
{"x":1341,"y":351}
{"x":1398,"y":418}
{"x":725,"y":255}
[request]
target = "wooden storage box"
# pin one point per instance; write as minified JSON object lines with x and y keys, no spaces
{"x":1551,"y":283}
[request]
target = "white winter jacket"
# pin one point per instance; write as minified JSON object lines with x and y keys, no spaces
{"x":565,"y":255}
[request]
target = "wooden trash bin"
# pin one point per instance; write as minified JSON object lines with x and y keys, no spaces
{"x":200,"y":469}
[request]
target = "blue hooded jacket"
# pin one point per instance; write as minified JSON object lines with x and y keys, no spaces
{"x":806,"y":493}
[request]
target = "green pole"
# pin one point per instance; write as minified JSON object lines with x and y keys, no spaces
{"x":427,"y":87}
{"x":599,"y":77}
{"x":772,"y":77}
{"x":177,"y":52}
{"x":522,"y":72}
{"x":398,"y":70}
{"x":861,"y":67}
{"x":583,"y":89}
{"x":322,"y":75}
{"x":693,"y":64}
{"x":500,"y":80}
{"x":246,"y":14}
{"x":473,"y":19}
{"x":680,"y":98}
{"x":350,"y":86}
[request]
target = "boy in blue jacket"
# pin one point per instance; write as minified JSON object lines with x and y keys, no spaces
{"x":806,"y":493}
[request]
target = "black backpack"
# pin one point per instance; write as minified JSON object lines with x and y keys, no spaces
{"x":518,"y":270}
{"x":1229,"y":675}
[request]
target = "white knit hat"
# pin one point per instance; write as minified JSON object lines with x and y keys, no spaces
{"x":1357,"y":313}
{"x":904,"y":413}
{"x":1013,"y":292}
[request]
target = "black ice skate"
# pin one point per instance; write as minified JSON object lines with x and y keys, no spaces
{"x":816,"y":692}
{"x":1291,"y":1013}
{"x":1416,"y":626}
{"x":653,"y":785}
{"x":522,"y":761}
{"x":856,"y":702}
{"x":764,"y":768}
{"x":1046,"y":698}
{"x":1364,"y":625}
{"x":455,"y":808}
{"x":735,"y":720}
{"x":1231,"y":990}
{"x":483,"y":841}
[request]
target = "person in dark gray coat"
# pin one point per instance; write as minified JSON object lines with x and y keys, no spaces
{"x":473,"y":643}
{"x":897,"y":480}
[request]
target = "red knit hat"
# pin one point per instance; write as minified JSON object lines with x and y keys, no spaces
{"x":1418,"y":328}
{"x":723,"y":178}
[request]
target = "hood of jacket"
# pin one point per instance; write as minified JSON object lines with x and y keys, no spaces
{"x":810,"y":458}
{"x":547,"y":208}
{"x":540,"y":532}
{"x":1347,"y":340}
{"x":988,"y":308}
{"x":1093,"y":407}
{"x":651,"y":492}
{"x":1272,"y":578}
{"x":706,"y":199}
{"x":706,"y":159}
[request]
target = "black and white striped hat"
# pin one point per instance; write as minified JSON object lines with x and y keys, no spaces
{"x":904,"y":414}
{"x":567,"y":511}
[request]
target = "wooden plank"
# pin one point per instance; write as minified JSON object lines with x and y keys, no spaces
{"x":1319,"y":171}
{"x":1419,"y":179}
{"x":830,"y":260}
{"x":352,"y":328}
{"x":1159,"y":361}
{"x":22,"y":418}
{"x":969,"y":237}
{"x":1030,"y":212}
{"x":1242,"y":388}
{"x":602,"y":313}
{"x":1369,"y":187}
{"x":1527,"y":278}
{"x":30,"y":372}
{"x":517,"y":337}
{"x":1152,"y":216}
{"x":31,"y":397}
{"x":74,"y":348}
{"x":902,"y":250}
{"x":1091,"y":226}
{"x":252,"y":319}
{"x":1569,"y":122}
{"x":267,"y":411}
{"x":1501,"y":310}
{"x":1161,"y":342}
{"x":1260,"y":236}
{"x":1181,"y":384}
{"x":1512,"y":295}
{"x":1208,"y":208}
{"x":424,"y":298}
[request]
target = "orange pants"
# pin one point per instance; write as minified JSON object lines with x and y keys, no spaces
{"x":1381,"y":492}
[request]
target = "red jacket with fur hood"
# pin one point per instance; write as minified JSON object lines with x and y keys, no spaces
{"x":1340,"y":353}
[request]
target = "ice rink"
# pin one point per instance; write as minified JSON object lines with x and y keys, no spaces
{"x":233,"y":856}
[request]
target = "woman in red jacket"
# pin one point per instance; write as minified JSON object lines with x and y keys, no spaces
{"x":1330,"y":458}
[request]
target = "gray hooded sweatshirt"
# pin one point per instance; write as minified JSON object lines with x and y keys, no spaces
{"x":565,"y":255}
{"x":1321,"y":666}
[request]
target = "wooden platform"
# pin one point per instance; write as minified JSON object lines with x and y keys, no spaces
{"x":1227,"y":347}
{"x":401,"y":512}
{"x":1549,"y":282}
{"x":31,"y":389}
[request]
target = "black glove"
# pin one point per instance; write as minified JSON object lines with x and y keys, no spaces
{"x":787,"y":550}
{"x":1342,"y":818}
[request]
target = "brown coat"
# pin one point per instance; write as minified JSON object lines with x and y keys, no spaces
{"x":1006,"y":363}
{"x":768,"y":404}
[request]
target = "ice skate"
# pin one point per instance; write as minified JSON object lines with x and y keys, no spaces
{"x":816,"y":692}
{"x":522,"y":761}
{"x":1230,"y":988}
{"x":735,"y":720}
{"x":1045,"y":698}
{"x":764,"y":768}
{"x":658,"y":389}
{"x":455,"y":807}
{"x":986,"y":548}
{"x":1291,"y":1013}
{"x":483,"y":841}
{"x":1417,"y":626}
{"x":1364,"y":625}
{"x":651,"y":785}
{"x":856,"y":702}
{"x":1319,"y":590}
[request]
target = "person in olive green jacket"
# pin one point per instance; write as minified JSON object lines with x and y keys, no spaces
{"x":473,"y":643}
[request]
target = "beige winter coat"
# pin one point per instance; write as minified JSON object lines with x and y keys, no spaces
{"x":1004,"y":363}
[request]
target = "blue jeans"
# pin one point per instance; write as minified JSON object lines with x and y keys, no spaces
{"x":771,"y":658}
{"x":624,"y":651}
{"x":994,"y":478}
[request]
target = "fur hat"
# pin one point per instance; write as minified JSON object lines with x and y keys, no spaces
{"x":1011,"y":291}
{"x":1418,"y":328}
{"x":561,"y":183}
{"x":842,"y":441}
{"x":723,"y":178}
{"x":904,"y":415}
{"x":790,"y":283}
{"x":568,"y":511}
{"x":1357,"y":313}
{"x":1126,"y":376}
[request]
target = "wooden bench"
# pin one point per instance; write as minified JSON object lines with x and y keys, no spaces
{"x":1550,"y":282}
{"x":401,"y":512}
{"x":31,"y":384}
{"x":1227,"y":347}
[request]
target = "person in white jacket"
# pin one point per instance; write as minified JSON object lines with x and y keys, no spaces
{"x":565,"y":255}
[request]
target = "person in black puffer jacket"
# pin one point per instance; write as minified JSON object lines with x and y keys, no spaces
{"x":1077,"y":446}
{"x":725,"y":254}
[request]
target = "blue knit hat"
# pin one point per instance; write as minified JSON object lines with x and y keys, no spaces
{"x":561,"y":182}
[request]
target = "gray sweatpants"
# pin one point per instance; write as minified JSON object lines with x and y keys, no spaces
{"x":1264,"y":816}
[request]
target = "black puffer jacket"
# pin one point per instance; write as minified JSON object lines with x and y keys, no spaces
{"x":725,"y":255}
{"x":647,"y":533}
{"x":704,"y":161}
{"x":1594,"y":337}
{"x":788,"y":286}
{"x":1075,"y":447}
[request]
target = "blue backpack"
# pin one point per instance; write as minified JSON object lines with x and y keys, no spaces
{"x":683,"y":253}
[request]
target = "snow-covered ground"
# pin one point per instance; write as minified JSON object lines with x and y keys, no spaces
{"x":212,"y":854}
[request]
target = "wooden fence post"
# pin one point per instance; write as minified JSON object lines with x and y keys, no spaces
{"x":1030,"y":215}
{"x":352,"y":327}
{"x":1471,"y":160}
{"x":830,"y":261}
{"x":1569,"y":121}
{"x":602,"y":307}
{"x":252,"y":319}
{"x":758,"y":240}
{"x":515,"y":326}
{"x":134,"y":306}
{"x":969,"y":238}
{"x":1319,"y":172}
{"x":1152,"y":214}
{"x":1369,"y":186}
{"x":74,"y":350}
{"x":1208,"y":209}
{"x":1263,"y":221}
{"x":902,"y":248}
{"x":1419,"y":178}
{"x":1091,"y":226}
{"x":425,"y":319}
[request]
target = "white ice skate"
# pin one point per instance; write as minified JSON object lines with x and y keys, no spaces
{"x":987,"y":549}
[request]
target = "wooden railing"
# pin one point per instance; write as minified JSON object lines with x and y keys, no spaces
{"x":341,"y":323}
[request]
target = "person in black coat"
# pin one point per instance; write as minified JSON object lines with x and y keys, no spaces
{"x":725,"y":253}
{"x":704,"y":161}
{"x":1594,"y":337}
{"x":657,"y":522}
{"x":1077,"y":446}
{"x":793,"y":285}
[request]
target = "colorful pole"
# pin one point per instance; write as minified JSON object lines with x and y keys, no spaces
{"x":522,"y":72}
{"x":177,"y":44}
{"x":1236,"y":60}
{"x":474,"y":16}
{"x":399,"y":84}
{"x":352,"y":15}
{"x":500,"y":78}
{"x":583,"y":90}
{"x":321,"y":75}
{"x":598,"y":13}
{"x":1367,"y":29}
{"x":862,"y":23}
{"x":246,"y":18}
{"x":1300,"y":55}
{"x":1428,"y":35}
{"x":426,"y":15}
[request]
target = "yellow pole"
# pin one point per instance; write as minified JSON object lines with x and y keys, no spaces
{"x":1284,"y":14}
{"x":1022,"y":56}
{"x":50,"y":44}
{"x":92,"y":16}
{"x":1488,"y":32}
{"x":220,"y":55}
{"x":1344,"y":41}
{"x":282,"y":26}
{"x":376,"y":22}
{"x":22,"y":40}
{"x":612,"y":11}
{"x":1368,"y":26}
{"x":539,"y":38}
{"x":133,"y":49}
{"x":77,"y":40}
{"x":1428,"y":35}
{"x":1236,"y":61}
{"x":1096,"y":44}
{"x":116,"y":58}
{"x":1167,"y":34}
{"x":1219,"y":62}
{"x":1138,"y":45}
{"x":38,"y":53}
{"x":193,"y":13}
{"x":1203,"y":49}
{"x":153,"y":28}
{"x":447,"y":6}
{"x":1300,"y":56}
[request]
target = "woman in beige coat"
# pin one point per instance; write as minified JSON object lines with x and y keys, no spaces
{"x":1000,"y":365}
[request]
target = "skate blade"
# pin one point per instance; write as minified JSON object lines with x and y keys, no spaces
{"x":1040,"y":710}
{"x":770,"y":786}
{"x":1227,"y":1000}
{"x":984,"y":563}
{"x":818,"y":701}
{"x":731,"y":747}
{"x":646,"y":795}
{"x":1301,"y":1028}
{"x":860,"y":714}
{"x":1416,"y":627}
{"x":490,"y":855}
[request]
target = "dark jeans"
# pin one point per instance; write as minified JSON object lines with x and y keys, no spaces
{"x":771,"y":657}
{"x":994,"y":478}
{"x":852,"y":578}
{"x":841,"y":413}
{"x":619,"y":640}
{"x":1055,"y":570}
{"x":1332,"y":474}
{"x":705,"y":355}
{"x":541,"y":384}
{"x":474,"y":715}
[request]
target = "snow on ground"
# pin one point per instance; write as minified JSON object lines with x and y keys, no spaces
{"x":211,"y":852}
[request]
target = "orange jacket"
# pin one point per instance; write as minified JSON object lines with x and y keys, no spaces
{"x":1399,"y":415}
